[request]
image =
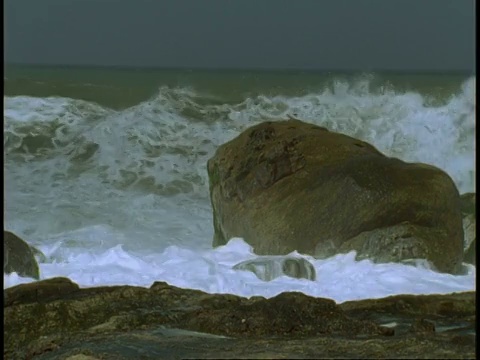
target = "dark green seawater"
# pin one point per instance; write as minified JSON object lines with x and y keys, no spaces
{"x":119,"y":88}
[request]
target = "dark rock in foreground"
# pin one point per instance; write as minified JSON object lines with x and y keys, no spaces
{"x":291,"y":185}
{"x":172,"y":344}
{"x":19,"y":257}
{"x":54,"y":319}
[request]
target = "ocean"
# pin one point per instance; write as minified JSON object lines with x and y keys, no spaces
{"x":105,"y":168}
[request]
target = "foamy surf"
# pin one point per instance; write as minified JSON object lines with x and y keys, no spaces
{"x":340,"y":278}
{"x":116,"y":197}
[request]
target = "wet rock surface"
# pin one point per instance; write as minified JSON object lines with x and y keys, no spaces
{"x":54,"y":319}
{"x":268,"y":268}
{"x":398,"y":243}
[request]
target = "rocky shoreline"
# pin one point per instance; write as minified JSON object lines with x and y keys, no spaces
{"x":55,"y":319}
{"x":282,"y":186}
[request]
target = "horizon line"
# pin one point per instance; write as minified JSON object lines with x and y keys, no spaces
{"x":228,"y":68}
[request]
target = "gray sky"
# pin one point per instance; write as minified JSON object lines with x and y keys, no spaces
{"x":320,"y":34}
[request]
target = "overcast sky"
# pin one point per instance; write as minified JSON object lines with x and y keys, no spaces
{"x":315,"y":34}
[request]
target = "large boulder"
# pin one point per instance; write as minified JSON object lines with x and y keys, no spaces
{"x":19,"y":257}
{"x":290,"y":185}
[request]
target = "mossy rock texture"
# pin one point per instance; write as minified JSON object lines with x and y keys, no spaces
{"x":56,"y":319}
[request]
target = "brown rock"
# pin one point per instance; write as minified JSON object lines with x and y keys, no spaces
{"x":291,"y":314}
{"x":48,"y":290}
{"x":18,"y":256}
{"x":289,"y":185}
{"x":467,"y":203}
{"x":55,"y":319}
{"x":456,"y":305}
{"x":57,"y":306}
{"x":422,"y":326}
{"x":397,"y":243}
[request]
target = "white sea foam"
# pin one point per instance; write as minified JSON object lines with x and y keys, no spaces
{"x":340,"y":278}
{"x":121,"y":197}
